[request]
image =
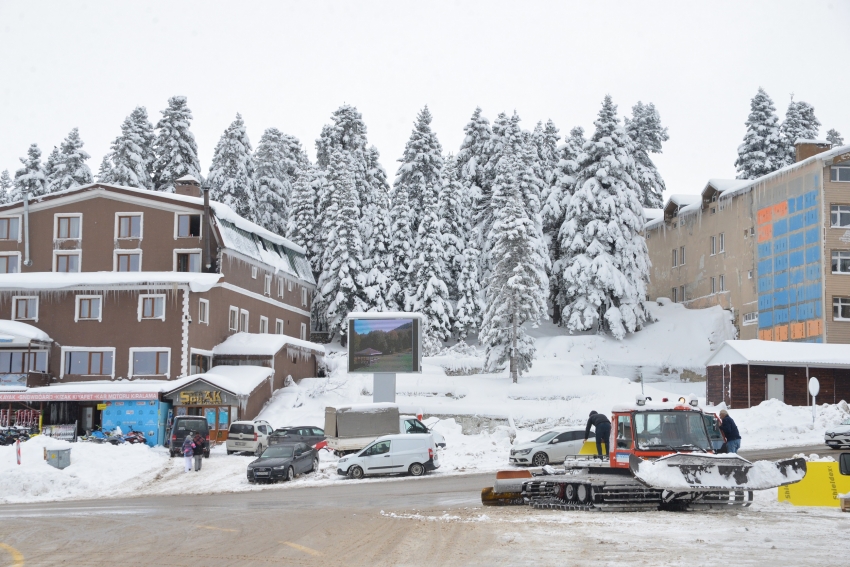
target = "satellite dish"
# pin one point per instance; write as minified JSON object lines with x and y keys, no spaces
{"x":814,"y":386}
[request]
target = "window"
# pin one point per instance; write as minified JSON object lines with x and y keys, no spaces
{"x":128,"y":262}
{"x":9,"y":264}
{"x":751,"y":318}
{"x":750,"y":275}
{"x":9,"y":228}
{"x":713,"y":210}
{"x":67,"y":262}
{"x":280,"y":287}
{"x":188,"y":225}
{"x":840,"y":216}
{"x":278,"y":327}
{"x":88,"y":308}
{"x":839,"y":174}
{"x":841,"y":261}
{"x":289,"y":285}
{"x":68,"y":227}
{"x":713,"y":285}
{"x":17,"y":362}
{"x":187,"y":261}
{"x":682,"y":256}
{"x":675,"y":294}
{"x":264,"y":325}
{"x":675,"y":257}
{"x":722,"y":283}
{"x":624,"y":432}
{"x":200,"y":363}
{"x":25,"y":308}
{"x":303,"y":295}
{"x":88,"y":362}
{"x":303,"y":331}
{"x":253,"y":272}
{"x":267,"y":285}
{"x":243,"y":321}
{"x":681,"y":293}
{"x":841,"y":308}
{"x":146,"y":362}
{"x":129,"y":226}
{"x":752,"y":231}
{"x":713,"y":245}
{"x":233,"y":319}
{"x":203,"y":311}
{"x":152,"y":307}
{"x":722,"y":242}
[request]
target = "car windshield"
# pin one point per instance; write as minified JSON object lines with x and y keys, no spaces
{"x":190,"y":425}
{"x":671,"y":430}
{"x":278,"y":452}
{"x":546,"y":437}
{"x":845,"y":422}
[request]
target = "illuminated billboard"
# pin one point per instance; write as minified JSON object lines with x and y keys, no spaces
{"x":383,"y":344}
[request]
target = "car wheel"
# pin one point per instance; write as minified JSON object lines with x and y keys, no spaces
{"x":229,"y":452}
{"x":416,"y":469}
{"x":834,"y":446}
{"x":355,"y":472}
{"x":252,"y":481}
{"x":259,"y":450}
{"x":290,"y":473}
{"x":540,"y":459}
{"x":315,"y":466}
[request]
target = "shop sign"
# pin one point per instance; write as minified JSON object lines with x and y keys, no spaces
{"x":33,"y":396}
{"x":102,"y":406}
{"x":201,"y":398}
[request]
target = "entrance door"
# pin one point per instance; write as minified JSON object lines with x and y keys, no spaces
{"x":88,"y":418}
{"x":776,"y":387}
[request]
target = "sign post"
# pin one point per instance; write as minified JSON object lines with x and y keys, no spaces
{"x":18,"y":450}
{"x":814,"y":389}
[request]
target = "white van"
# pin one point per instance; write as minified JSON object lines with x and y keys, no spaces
{"x":413,"y":453}
{"x":250,"y":436}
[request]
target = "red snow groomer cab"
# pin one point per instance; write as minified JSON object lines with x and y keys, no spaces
{"x":661,"y":455}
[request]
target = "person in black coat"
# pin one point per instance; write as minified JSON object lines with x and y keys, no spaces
{"x":730,"y":431}
{"x":603,"y":431}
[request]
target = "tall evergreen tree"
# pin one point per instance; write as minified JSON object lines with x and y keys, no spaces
{"x":71,"y":170}
{"x":833,"y":136}
{"x":104,"y":172}
{"x":762,"y":151}
{"x":5,"y":187}
{"x":421,"y":165}
{"x":301,"y":226}
{"x":133,"y":152}
{"x":31,"y":176}
{"x":401,"y":244}
{"x":175,"y":148}
{"x":51,"y":170}
{"x":375,"y":224}
{"x":800,"y":123}
{"x":468,"y":310}
{"x":273,"y":185}
{"x":232,"y":176}
{"x":517,"y":288}
{"x":472,"y":160}
{"x":646,"y":132}
{"x":548,"y":156}
{"x":454,"y":222}
{"x":606,"y":264}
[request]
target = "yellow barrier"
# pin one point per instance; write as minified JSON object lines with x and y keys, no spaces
{"x":589,"y":448}
{"x":820,"y":487}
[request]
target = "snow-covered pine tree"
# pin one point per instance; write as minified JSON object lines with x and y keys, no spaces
{"x":104,"y":172}
{"x":833,"y":136}
{"x":454,"y":222}
{"x":762,"y":151}
{"x":232,"y":177}
{"x":467,"y":313}
{"x":546,"y":141}
{"x":800,"y":123}
{"x":421,"y":165}
{"x":401,"y":244}
{"x":646,"y":132}
{"x":606,"y":263}
{"x":808,"y":120}
{"x":175,"y":148}
{"x":375,"y":224}
{"x":472,"y":159}
{"x":5,"y":187}
{"x":71,"y":170}
{"x":342,"y":279}
{"x":30,"y":177}
{"x":51,"y":166}
{"x":133,"y":152}
{"x":517,"y":287}
{"x":273,"y":186}
{"x":301,"y":226}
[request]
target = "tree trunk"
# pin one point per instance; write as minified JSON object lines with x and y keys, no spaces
{"x":514,"y":373}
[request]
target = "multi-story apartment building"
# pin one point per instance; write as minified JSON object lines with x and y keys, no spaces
{"x":134,"y":284}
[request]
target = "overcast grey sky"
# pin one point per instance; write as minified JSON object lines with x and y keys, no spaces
{"x":290,"y":64}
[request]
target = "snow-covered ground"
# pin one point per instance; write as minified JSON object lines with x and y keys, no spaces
{"x":479,"y":414}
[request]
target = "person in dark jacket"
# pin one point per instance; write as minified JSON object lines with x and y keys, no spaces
{"x":730,"y":430}
{"x":199,"y":442}
{"x":603,"y":431}
{"x":188,"y":450}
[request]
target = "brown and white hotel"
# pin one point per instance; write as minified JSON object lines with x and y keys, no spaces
{"x":116,"y":297}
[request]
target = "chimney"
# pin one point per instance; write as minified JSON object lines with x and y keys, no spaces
{"x":188,"y":185}
{"x":808,"y":148}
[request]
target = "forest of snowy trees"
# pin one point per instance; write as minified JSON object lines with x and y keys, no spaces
{"x":517,"y":225}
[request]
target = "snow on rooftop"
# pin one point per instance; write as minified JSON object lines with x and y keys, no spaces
{"x":238,"y":380}
{"x":683,"y":200}
{"x":728,"y":186}
{"x":385,"y":315}
{"x":780,"y":353}
{"x":197,"y":282}
{"x":652,"y":214}
{"x":812,"y":141}
{"x":262,"y":344}
{"x":20,"y":332}
{"x":187,"y":177}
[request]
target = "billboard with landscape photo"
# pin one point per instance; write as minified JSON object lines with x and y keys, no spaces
{"x":382,"y":345}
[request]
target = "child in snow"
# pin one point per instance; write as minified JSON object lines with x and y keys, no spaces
{"x":188,"y":452}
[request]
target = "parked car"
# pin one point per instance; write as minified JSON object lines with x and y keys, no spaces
{"x":251,"y":436}
{"x":838,"y":436}
{"x":552,"y":447}
{"x":412,"y":453}
{"x":351,"y":428}
{"x":182,"y":426}
{"x":283,"y":462}
{"x":297,"y":434}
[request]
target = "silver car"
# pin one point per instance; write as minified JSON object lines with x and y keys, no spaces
{"x":552,"y":447}
{"x":838,"y":436}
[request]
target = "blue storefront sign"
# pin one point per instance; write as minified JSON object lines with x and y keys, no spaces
{"x":147,"y":416}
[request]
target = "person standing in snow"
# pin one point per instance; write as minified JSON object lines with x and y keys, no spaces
{"x":198,"y":441}
{"x":730,"y":430}
{"x":188,"y":452}
{"x":603,"y":431}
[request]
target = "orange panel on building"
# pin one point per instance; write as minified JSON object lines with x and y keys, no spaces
{"x":781,"y":333}
{"x":814,"y":327}
{"x":780,"y":210}
{"x":765,"y":215}
{"x":798,"y":330}
{"x":765,"y":232}
{"x":766,"y":334}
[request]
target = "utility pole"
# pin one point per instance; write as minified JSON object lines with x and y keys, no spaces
{"x":514,"y":372}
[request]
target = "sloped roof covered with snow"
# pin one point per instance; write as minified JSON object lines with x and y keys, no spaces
{"x":781,"y":354}
{"x":17,"y":332}
{"x":197,"y":282}
{"x":263,"y":344}
{"x":727,"y":186}
{"x":238,"y":380}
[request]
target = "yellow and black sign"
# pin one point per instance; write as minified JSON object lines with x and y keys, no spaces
{"x":200,"y":398}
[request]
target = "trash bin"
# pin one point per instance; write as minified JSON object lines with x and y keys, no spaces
{"x":59,"y":458}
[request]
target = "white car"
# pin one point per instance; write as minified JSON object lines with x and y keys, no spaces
{"x":838,"y":436}
{"x":552,"y":447}
{"x":250,"y":436}
{"x":412,"y":453}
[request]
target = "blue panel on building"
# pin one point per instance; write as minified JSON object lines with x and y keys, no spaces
{"x":799,"y":203}
{"x":781,"y":280}
{"x":795,"y":222}
{"x":780,"y":227}
{"x":766,"y":319}
{"x":813,"y":271}
{"x":796,"y":259}
{"x":780,"y":316}
{"x":806,"y":310}
{"x":812,"y":254}
{"x":780,"y":263}
{"x":791,"y":207}
{"x":795,"y":240}
{"x":764,"y":250}
{"x":765,"y":284}
{"x":811,"y":198}
{"x":149,"y":417}
{"x":792,"y":312}
{"x":813,"y":291}
{"x":818,"y":310}
{"x":780,"y":245}
{"x":765,"y":267}
{"x":780,"y":298}
{"x":812,"y":235}
{"x":811,"y":217}
{"x":797,"y":275}
{"x":765,"y":302}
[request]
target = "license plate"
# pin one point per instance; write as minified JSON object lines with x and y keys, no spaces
{"x":238,"y":443}
{"x":261,"y":474}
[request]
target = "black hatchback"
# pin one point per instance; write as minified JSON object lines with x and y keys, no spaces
{"x":283,"y":462}
{"x":297,"y":434}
